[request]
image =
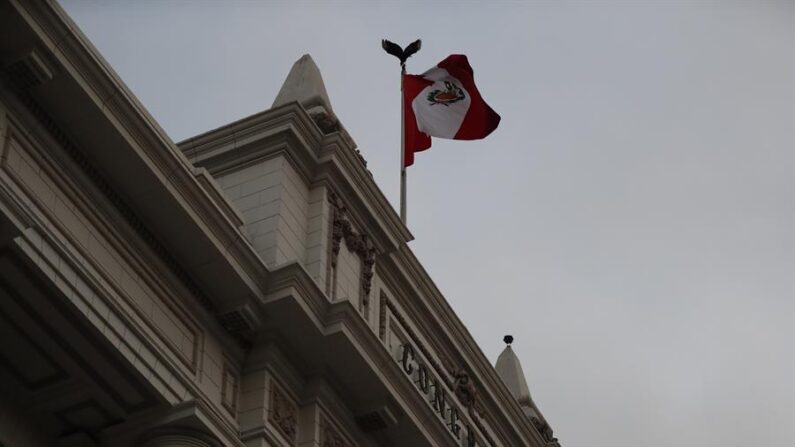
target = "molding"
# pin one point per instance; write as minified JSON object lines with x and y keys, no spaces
{"x":167,"y":288}
{"x":412,"y":287}
{"x":32,"y":275}
{"x":162,"y":361}
{"x":79,"y":60}
{"x":290,"y":131}
{"x":211,"y":187}
{"x":293,"y":282}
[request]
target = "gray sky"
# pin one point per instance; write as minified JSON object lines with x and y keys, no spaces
{"x":631,"y":222}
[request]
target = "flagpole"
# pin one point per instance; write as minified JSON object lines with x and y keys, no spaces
{"x":402,"y":147}
{"x":402,"y":54}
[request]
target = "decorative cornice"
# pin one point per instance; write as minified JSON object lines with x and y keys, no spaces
{"x":288,"y":130}
{"x":320,"y":158}
{"x":76,"y":58}
{"x":405,"y":277}
{"x":456,"y":379}
{"x":110,"y":194}
{"x":293,"y":282}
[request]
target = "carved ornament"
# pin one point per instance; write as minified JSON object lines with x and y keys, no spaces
{"x":283,"y":414}
{"x":330,"y":437}
{"x":341,"y":229}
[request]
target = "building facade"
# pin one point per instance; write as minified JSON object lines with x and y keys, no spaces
{"x":250,"y":286}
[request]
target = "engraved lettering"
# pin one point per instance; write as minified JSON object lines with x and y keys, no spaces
{"x":438,"y":398}
{"x":454,"y":427}
{"x":471,"y":442}
{"x":408,"y":357}
{"x":422,"y":378}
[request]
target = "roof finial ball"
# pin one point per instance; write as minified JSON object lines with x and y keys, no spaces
{"x":508,"y":339}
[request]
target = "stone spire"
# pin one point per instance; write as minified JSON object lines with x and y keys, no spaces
{"x":305,"y":85}
{"x":510,"y":371}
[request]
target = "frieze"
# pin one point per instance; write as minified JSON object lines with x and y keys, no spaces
{"x":434,"y":392}
{"x":461,"y":383}
{"x":404,"y":324}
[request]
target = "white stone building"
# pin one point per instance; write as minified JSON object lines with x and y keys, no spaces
{"x":250,"y":286}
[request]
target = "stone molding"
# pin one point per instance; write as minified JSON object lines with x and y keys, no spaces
{"x":456,"y":379}
{"x":104,"y":227}
{"x":103,"y":186}
{"x":320,"y":158}
{"x":405,"y":276}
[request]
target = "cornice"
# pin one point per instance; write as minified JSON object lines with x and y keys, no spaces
{"x":78,"y":59}
{"x":256,"y":137}
{"x":292,"y":281}
{"x":429,"y":310}
{"x":320,"y":158}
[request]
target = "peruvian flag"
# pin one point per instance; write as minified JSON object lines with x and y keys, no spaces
{"x":444,"y":102}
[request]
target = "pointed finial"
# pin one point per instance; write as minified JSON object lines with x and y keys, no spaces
{"x":304,"y":84}
{"x":510,"y":371}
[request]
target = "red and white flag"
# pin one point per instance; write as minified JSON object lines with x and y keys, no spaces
{"x":444,"y":102}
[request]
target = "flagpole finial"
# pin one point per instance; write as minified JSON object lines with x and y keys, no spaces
{"x":401,"y":53}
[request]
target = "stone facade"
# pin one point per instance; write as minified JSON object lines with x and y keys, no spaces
{"x":250,"y":286}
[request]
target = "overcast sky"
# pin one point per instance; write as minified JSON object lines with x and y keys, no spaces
{"x":631,"y":222}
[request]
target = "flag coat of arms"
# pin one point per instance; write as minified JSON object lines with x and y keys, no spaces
{"x":444,"y":102}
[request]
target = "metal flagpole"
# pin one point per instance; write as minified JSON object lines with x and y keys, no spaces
{"x":402,"y":147}
{"x":402,"y":54}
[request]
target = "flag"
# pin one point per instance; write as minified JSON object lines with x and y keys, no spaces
{"x":443,"y":102}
